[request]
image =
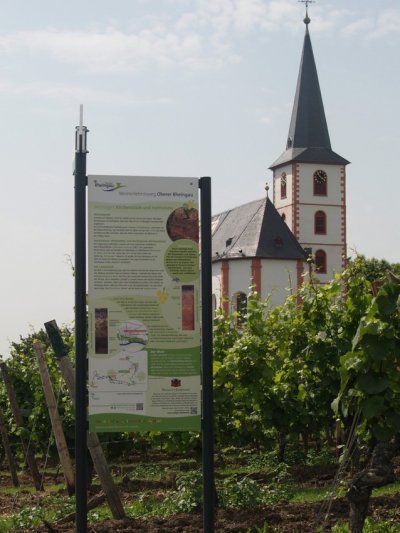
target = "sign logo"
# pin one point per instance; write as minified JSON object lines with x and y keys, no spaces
{"x":108,"y":186}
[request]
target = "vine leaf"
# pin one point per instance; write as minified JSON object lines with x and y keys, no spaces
{"x":387,"y":298}
{"x":373,"y":406}
{"x":372,"y":384}
{"x":393,"y":420}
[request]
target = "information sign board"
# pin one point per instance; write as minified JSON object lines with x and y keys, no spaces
{"x":144,"y":304}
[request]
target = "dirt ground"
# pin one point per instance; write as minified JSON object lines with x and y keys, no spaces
{"x":284,"y":517}
{"x":292,"y":517}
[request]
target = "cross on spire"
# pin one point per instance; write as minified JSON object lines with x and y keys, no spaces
{"x":307,"y":19}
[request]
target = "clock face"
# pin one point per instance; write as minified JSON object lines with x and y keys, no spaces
{"x":320,"y":176}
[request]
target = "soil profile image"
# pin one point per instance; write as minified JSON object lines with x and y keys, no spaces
{"x":101,"y":331}
{"x":188,"y":307}
{"x":183,"y":223}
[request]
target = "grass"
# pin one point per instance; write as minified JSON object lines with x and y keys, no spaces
{"x":29,"y":489}
{"x":393,"y":488}
{"x":318,"y":494}
{"x":371,"y":526}
{"x":310,"y":494}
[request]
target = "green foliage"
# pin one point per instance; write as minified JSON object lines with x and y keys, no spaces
{"x":263,"y":529}
{"x":372,"y":269}
{"x":24,"y":374}
{"x":280,"y":370}
{"x":237,"y":494}
{"x":370,"y":381}
{"x":275,"y":375}
{"x":188,"y":495}
{"x":371,"y":526}
{"x":29,"y":517}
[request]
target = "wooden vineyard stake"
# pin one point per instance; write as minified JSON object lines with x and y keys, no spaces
{"x":56,"y":424}
{"x":94,"y":446}
{"x":28,"y":450}
{"x":7,"y":449}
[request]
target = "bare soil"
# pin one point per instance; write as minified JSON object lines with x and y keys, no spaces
{"x":288,"y":517}
{"x":285,"y":518}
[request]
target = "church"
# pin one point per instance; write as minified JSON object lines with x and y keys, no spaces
{"x":271,"y":244}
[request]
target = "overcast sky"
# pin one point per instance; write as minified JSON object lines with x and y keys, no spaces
{"x":180,"y":87}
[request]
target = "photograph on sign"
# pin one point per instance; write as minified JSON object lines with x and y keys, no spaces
{"x":144,"y":304}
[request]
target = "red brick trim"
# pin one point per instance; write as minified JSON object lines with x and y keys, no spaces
{"x":344,"y":217}
{"x":256,"y":274}
{"x":225,"y":286}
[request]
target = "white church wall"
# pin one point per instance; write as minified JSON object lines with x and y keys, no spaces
{"x":333,"y":261}
{"x":288,"y":212}
{"x":331,"y":204}
{"x":284,"y":205}
{"x":277,"y":276}
{"x":278,"y":201}
{"x":216,"y":282}
{"x":239,"y":276}
{"x":307,"y":224}
{"x":306,"y":184}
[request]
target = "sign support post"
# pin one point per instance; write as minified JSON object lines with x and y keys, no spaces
{"x":173,"y":219}
{"x":80,"y":328}
{"x":207,"y":357}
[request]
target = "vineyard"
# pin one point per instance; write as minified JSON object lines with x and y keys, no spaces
{"x":307,"y":424}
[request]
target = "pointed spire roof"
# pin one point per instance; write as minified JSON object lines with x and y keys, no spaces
{"x":308,"y":127}
{"x":308,"y":139}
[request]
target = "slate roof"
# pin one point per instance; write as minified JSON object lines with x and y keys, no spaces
{"x":253,"y":230}
{"x":308,"y":139}
{"x":309,"y":155}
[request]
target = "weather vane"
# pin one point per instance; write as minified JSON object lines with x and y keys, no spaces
{"x":307,"y":2}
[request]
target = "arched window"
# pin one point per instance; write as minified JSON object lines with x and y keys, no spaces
{"x":283,"y":216}
{"x":320,"y":179}
{"x":320,"y":223}
{"x":240,"y":302}
{"x":283,"y":185}
{"x":320,"y":262}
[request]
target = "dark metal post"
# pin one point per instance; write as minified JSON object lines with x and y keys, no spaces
{"x":207,"y":356}
{"x":80,"y":329}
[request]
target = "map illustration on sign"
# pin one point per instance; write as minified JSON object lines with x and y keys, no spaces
{"x":132,"y":336}
{"x":123,"y":371}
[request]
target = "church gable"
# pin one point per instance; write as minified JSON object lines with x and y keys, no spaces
{"x":253,"y":230}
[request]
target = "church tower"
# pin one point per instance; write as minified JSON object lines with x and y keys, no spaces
{"x":309,"y":178}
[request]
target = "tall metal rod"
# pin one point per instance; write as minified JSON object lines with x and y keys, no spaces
{"x":80,"y":329}
{"x":207,"y":357}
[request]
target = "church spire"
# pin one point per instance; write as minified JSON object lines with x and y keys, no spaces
{"x":308,"y":140}
{"x":308,"y":127}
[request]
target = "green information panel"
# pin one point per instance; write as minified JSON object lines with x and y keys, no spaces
{"x":144,"y":334}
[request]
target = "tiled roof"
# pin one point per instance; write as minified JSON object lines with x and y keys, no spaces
{"x":253,"y":230}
